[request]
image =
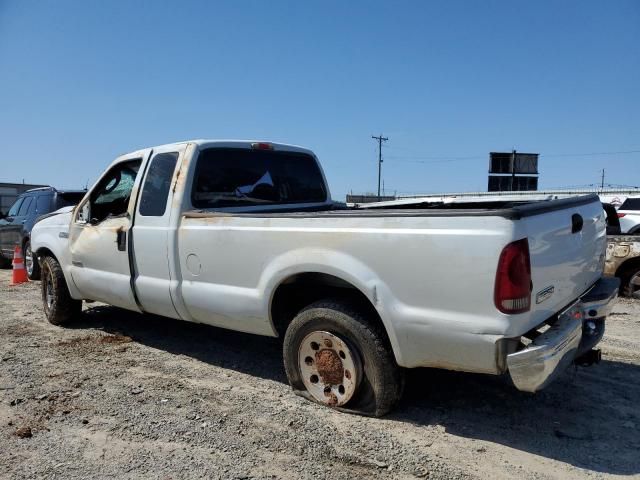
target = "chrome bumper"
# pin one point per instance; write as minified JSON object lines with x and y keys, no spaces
{"x":577,"y":330}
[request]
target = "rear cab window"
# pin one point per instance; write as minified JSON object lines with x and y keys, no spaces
{"x":237,"y":177}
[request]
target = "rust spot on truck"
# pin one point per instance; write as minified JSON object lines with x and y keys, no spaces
{"x":332,"y":399}
{"x":329,"y":367}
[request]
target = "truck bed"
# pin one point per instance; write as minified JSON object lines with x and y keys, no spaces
{"x":429,"y":269}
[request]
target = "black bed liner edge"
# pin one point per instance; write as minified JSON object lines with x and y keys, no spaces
{"x":511,"y":213}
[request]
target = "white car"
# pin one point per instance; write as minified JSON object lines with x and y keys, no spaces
{"x":629,"y":215}
{"x":244,"y":235}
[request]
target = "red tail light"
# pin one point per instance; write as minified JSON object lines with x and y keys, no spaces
{"x":512,"y":292}
{"x":620,"y":215}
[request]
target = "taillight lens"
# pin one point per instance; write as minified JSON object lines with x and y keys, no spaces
{"x":512,"y":292}
{"x":620,"y":215}
{"x":261,"y":146}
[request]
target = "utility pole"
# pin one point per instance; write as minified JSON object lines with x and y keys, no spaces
{"x":380,"y":139}
{"x":602,"y":181}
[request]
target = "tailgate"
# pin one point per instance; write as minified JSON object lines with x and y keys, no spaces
{"x":566,"y":258}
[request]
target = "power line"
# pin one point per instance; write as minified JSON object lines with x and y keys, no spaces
{"x":439,"y":159}
{"x":590,"y":154}
{"x":443,"y":159}
{"x":380,"y":139}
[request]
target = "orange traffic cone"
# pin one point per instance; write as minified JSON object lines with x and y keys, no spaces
{"x":19,"y":273}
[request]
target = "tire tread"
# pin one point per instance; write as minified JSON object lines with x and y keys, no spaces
{"x":64,"y":309}
{"x":388,"y":387}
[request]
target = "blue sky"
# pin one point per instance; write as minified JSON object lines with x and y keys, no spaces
{"x":81,"y":82}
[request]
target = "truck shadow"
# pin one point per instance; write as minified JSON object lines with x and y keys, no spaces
{"x":251,"y":354}
{"x":589,"y":418}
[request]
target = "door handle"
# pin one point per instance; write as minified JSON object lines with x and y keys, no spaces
{"x":121,"y":239}
{"x":576,"y":223}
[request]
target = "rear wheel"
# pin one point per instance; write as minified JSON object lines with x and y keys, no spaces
{"x":336,"y":356}
{"x":59,"y":307}
{"x":630,"y":280}
{"x":31,"y":264}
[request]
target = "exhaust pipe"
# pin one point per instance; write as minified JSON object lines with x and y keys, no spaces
{"x":589,"y":358}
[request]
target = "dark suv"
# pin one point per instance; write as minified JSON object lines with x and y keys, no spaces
{"x":15,"y":227}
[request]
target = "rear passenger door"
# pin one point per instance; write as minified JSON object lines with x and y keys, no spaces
{"x":154,"y":233}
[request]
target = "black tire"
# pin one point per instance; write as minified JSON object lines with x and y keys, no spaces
{"x":625,"y":274}
{"x":34,"y":272}
{"x":59,"y":307}
{"x":382,"y":381}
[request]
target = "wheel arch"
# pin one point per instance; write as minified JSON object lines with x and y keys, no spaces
{"x":635,"y":230}
{"x":295,"y":291}
{"x":46,"y":251}
{"x":628,"y":265}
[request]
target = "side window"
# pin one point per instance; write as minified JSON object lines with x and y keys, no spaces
{"x":157,"y":183}
{"x":111,"y":196}
{"x":15,"y":208}
{"x":32,"y":207}
{"x":43,"y":204}
{"x":24,"y":209}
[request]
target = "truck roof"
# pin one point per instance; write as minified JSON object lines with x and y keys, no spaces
{"x":226,"y":143}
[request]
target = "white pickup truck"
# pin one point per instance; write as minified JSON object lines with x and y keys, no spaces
{"x":244,"y":235}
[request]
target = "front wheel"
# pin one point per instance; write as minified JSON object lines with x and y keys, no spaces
{"x":59,"y":307}
{"x":336,"y":356}
{"x":31,"y":264}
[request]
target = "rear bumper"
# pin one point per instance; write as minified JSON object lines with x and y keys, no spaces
{"x":576,"y":331}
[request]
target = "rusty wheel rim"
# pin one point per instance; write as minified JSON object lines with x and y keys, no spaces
{"x":330,"y":369}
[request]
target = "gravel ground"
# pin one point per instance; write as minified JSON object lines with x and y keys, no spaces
{"x":133,"y":396}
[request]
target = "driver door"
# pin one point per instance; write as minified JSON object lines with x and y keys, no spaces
{"x":98,"y":237}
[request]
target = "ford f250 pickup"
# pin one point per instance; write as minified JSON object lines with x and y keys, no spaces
{"x":244,"y":235}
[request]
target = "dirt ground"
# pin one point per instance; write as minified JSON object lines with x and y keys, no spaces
{"x":132,"y":396}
